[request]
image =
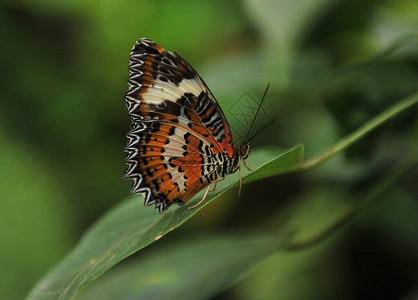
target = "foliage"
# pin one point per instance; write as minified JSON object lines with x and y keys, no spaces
{"x":338,"y":71}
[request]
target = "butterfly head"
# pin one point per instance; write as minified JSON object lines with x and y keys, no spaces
{"x":244,"y":150}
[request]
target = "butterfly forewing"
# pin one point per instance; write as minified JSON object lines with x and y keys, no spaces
{"x":179,"y":131}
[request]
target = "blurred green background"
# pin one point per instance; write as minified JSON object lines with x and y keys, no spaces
{"x":332,"y":66}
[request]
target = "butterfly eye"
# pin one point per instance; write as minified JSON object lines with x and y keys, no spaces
{"x":244,"y":150}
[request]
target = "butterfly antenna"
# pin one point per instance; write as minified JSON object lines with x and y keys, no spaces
{"x":258,"y":110}
{"x":262,"y":129}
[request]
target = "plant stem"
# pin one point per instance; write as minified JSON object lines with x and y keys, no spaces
{"x":372,"y":195}
{"x":360,"y":132}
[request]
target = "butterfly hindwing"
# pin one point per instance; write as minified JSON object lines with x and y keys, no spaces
{"x":179,"y":132}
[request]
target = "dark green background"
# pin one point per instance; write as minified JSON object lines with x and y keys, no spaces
{"x":332,"y":66}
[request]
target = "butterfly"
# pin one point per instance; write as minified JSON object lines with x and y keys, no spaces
{"x":180,"y":141}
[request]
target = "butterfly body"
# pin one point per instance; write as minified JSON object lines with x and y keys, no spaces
{"x":180,"y":141}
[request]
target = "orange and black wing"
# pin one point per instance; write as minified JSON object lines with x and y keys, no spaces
{"x":178,"y":129}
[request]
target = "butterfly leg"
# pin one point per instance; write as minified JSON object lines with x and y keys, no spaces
{"x":214,"y":187}
{"x":215,"y":182}
{"x":245,"y":164}
{"x":201,"y":201}
{"x":240,"y":181}
{"x":209,"y":189}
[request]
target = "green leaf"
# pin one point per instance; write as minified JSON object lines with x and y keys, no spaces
{"x":31,"y":200}
{"x":196,"y":268}
{"x":129,"y":227}
{"x":282,"y":25}
{"x":283,"y":20}
{"x":285,"y":163}
{"x":321,"y":212}
{"x":217,"y":262}
{"x":324,"y":211}
{"x":362,"y":131}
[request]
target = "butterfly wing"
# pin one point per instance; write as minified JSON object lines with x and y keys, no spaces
{"x":179,"y":132}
